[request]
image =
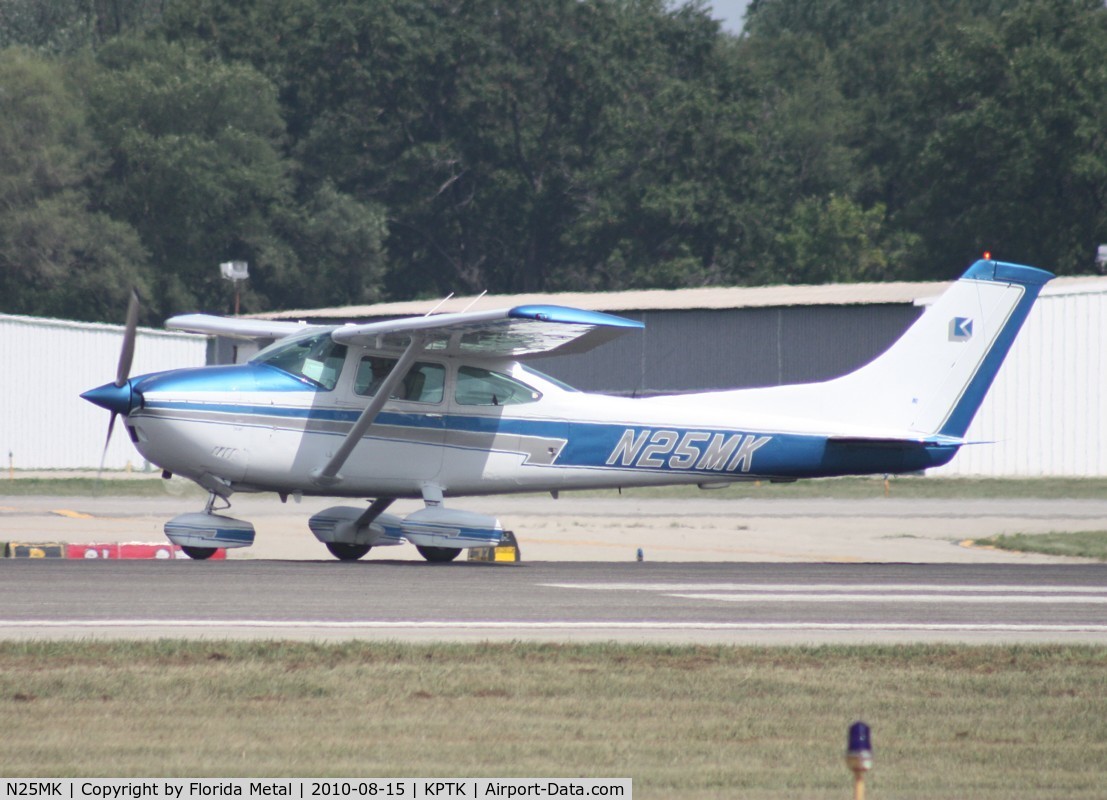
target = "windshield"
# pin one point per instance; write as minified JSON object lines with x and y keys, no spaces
{"x":313,"y":357}
{"x":560,"y":384}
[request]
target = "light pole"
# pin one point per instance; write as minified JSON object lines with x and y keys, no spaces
{"x":235,"y":272}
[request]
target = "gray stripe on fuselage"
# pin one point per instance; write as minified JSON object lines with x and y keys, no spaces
{"x":539,"y":450}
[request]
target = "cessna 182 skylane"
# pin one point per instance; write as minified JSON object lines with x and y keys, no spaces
{"x":448,"y":405}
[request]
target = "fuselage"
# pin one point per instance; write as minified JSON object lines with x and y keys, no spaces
{"x":470,"y":427}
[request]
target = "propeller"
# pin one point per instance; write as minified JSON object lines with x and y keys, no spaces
{"x":127,"y":353}
{"x":116,"y":396}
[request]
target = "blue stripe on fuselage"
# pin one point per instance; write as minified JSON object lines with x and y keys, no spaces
{"x":613,"y":446}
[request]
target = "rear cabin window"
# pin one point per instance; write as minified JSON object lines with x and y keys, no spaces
{"x":482,"y":387}
{"x":315,"y":358}
{"x":424,"y":383}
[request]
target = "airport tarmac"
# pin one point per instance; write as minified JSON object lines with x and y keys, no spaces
{"x":714,"y":570}
{"x":612,"y":528}
{"x":698,"y":603}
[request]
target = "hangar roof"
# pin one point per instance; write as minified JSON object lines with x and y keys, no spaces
{"x":706,"y":298}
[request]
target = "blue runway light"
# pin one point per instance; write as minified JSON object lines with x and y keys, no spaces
{"x":859,"y":738}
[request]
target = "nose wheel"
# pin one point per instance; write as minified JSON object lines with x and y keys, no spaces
{"x":198,"y":553}
{"x":347,"y":552}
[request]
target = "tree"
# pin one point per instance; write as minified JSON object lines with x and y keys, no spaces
{"x":1014,"y":157}
{"x":836,"y":241}
{"x":58,"y":256}
{"x":68,"y":26}
{"x":197,"y":169}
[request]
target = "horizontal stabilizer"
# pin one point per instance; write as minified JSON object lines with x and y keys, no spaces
{"x":893,"y":441}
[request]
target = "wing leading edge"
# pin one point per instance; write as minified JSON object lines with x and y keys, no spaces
{"x":519,"y":332}
{"x":234,"y":327}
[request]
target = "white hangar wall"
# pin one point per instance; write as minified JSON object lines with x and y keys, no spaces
{"x":47,"y":363}
{"x":1044,"y":413}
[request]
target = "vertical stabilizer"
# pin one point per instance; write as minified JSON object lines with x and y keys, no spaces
{"x":936,"y":375}
{"x":933,"y":379}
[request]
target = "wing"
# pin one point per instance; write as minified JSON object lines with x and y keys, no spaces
{"x":533,"y":330}
{"x":235,"y":328}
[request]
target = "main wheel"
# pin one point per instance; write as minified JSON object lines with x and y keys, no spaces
{"x":347,"y":552}
{"x":199,"y":553}
{"x":441,"y":554}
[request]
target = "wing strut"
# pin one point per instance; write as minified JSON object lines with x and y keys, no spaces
{"x":328,"y":475}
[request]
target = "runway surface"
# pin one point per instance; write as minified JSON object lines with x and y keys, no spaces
{"x":740,"y":603}
{"x":612,"y":528}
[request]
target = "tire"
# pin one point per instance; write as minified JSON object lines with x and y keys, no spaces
{"x":198,"y":553}
{"x":347,"y":552}
{"x":438,"y":554}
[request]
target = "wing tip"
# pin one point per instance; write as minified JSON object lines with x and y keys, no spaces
{"x":572,"y":316}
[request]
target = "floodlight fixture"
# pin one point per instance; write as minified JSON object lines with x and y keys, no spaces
{"x":234,"y":270}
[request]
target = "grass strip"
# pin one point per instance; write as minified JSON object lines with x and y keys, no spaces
{"x":683,"y":722}
{"x":93,"y":487}
{"x":1085,"y":544}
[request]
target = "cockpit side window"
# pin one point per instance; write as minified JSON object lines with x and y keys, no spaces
{"x":482,"y":387}
{"x":315,"y":358}
{"x":424,"y":383}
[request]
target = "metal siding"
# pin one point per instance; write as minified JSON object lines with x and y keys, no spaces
{"x":1043,"y":411}
{"x":820,"y":343}
{"x":47,"y":364}
{"x":697,"y":350}
{"x":681,"y":351}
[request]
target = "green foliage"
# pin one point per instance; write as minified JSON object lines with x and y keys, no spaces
{"x":195,"y":163}
{"x":66,"y":26}
{"x":361,"y":149}
{"x":58,"y":255}
{"x":836,"y":241}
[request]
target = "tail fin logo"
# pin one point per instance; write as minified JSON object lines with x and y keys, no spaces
{"x":960,"y":329}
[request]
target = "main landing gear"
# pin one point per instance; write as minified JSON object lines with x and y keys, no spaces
{"x":438,"y":554}
{"x":352,"y":552}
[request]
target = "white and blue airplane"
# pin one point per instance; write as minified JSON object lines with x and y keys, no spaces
{"x":449,"y":405}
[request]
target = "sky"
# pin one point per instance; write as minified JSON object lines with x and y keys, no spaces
{"x":730,"y":12}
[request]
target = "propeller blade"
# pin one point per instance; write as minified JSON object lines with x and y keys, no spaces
{"x":127,"y":354}
{"x":107,"y":441}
